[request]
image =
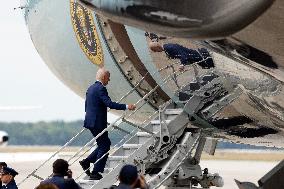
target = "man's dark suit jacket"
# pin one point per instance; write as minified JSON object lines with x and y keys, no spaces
{"x":61,"y":182}
{"x":97,"y":101}
{"x":10,"y":185}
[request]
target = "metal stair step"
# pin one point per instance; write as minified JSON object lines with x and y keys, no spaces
{"x":130,"y":148}
{"x":157,"y":122}
{"x":173,"y":111}
{"x":85,"y":183}
{"x":107,"y":170}
{"x":155,"y":128}
{"x":118,"y":158}
{"x":111,"y":177}
{"x":114,"y":160}
{"x":86,"y":180}
{"x":143,"y":137}
{"x":143,"y":134}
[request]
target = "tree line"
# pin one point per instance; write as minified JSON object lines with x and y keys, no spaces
{"x":51,"y":133}
{"x":59,"y":132}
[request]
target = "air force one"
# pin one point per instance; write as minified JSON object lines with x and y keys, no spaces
{"x":240,"y":100}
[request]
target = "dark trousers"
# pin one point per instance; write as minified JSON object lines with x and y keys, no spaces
{"x":103,"y":143}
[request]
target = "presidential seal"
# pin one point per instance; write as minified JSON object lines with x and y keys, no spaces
{"x":86,"y":33}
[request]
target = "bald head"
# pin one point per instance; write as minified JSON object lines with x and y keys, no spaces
{"x":156,"y":46}
{"x":103,"y":76}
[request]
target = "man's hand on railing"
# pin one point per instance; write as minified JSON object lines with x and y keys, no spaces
{"x":131,"y":107}
{"x":181,"y":67}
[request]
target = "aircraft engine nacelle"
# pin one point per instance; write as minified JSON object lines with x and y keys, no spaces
{"x":183,"y":18}
{"x":3,"y":138}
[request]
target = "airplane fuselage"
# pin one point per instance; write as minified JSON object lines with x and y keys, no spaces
{"x":74,"y":43}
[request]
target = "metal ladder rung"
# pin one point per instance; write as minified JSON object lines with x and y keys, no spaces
{"x":131,"y":146}
{"x":173,"y":111}
{"x":118,"y":158}
{"x":107,"y":170}
{"x":157,"y":122}
{"x":143,"y":134}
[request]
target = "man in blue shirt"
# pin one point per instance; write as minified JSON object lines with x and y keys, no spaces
{"x":60,"y":170}
{"x":185,"y":55}
{"x":96,"y":104}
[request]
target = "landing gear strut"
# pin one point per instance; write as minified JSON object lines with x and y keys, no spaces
{"x":190,"y":175}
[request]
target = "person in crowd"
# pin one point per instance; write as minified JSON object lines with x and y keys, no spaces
{"x":96,"y":104}
{"x":130,"y":179}
{"x":60,"y":171}
{"x":185,"y":55}
{"x":47,"y":186}
{"x":7,"y":177}
{"x":2,"y":164}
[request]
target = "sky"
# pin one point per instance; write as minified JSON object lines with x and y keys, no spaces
{"x":29,"y":92}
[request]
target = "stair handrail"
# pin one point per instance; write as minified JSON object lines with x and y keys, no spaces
{"x":103,"y":131}
{"x":53,"y":155}
{"x":194,"y":144}
{"x":166,"y":80}
{"x":80,"y":132}
{"x":111,"y":125}
{"x":116,"y":145}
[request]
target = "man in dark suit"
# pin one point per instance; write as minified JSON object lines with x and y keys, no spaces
{"x":60,"y":170}
{"x":7,"y":177}
{"x":96,"y":104}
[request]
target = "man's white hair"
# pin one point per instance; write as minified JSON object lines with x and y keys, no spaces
{"x":101,"y":73}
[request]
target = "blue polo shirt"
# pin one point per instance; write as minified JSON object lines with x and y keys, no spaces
{"x":188,"y":56}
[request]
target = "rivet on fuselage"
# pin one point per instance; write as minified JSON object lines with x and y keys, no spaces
{"x":109,"y":37}
{"x":114,"y":49}
{"x":123,"y":59}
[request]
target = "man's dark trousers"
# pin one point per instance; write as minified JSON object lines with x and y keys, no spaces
{"x":103,"y":143}
{"x":96,"y":104}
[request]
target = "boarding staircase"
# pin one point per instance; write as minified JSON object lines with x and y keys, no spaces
{"x":169,"y":136}
{"x":168,"y":145}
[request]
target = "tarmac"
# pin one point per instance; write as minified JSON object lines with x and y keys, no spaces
{"x":243,"y":170}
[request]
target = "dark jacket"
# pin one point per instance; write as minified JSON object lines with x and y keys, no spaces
{"x":61,"y":182}
{"x":97,"y":101}
{"x":188,"y":56}
{"x":10,"y":185}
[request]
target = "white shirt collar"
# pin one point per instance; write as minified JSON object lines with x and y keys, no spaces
{"x":100,"y":82}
